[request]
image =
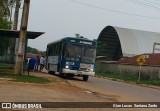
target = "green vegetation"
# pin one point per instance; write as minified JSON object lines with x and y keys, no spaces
{"x":4,"y":42}
{"x":128,"y":78}
{"x":5,"y":23}
{"x":6,"y":9}
{"x":5,"y":67}
{"x":25,"y":78}
{"x":34,"y":51}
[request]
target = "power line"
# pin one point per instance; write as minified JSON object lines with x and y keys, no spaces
{"x":156,"y":0}
{"x":145,"y":3}
{"x":153,"y":2}
{"x":115,"y":11}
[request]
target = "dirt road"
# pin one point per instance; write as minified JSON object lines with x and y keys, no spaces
{"x":123,"y":91}
{"x":57,"y":91}
{"x":60,"y":90}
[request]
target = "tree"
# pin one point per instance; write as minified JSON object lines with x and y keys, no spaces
{"x":4,"y":24}
{"x":4,"y":42}
{"x":17,"y":4}
{"x":34,"y":51}
{"x":6,"y":7}
{"x":11,"y":4}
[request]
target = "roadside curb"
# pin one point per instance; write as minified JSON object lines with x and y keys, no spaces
{"x":133,"y":83}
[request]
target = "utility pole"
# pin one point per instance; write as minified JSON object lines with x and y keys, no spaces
{"x":154,"y":47}
{"x":22,"y":38}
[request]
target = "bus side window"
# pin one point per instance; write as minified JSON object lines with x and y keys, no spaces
{"x":50,"y":51}
{"x":57,"y":48}
{"x":64,"y":51}
{"x":60,"y":48}
{"x":47,"y":52}
{"x":54,"y":48}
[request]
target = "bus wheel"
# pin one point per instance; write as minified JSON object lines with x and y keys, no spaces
{"x":70,"y":75}
{"x":51,"y":72}
{"x":61,"y":75}
{"x":85,"y":77}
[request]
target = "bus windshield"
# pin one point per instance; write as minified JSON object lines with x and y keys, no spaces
{"x":80,"y":53}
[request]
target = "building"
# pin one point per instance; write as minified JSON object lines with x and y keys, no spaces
{"x":151,"y":60}
{"x":115,"y":42}
{"x":9,"y":57}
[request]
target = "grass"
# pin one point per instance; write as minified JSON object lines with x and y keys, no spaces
{"x":25,"y":78}
{"x":151,"y":82}
{"x":115,"y":76}
{"x":128,"y":78}
{"x":5,"y":67}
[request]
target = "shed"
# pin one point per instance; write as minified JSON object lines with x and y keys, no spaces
{"x":116,"y":42}
{"x":10,"y":58}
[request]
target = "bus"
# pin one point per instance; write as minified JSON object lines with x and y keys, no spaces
{"x":71,"y":57}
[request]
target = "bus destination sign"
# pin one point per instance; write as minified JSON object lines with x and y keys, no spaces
{"x":85,"y":42}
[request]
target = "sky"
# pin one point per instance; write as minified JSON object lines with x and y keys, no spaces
{"x":64,"y":18}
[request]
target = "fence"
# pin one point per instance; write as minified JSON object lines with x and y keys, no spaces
{"x":147,"y":72}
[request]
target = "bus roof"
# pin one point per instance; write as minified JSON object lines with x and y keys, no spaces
{"x":66,"y":38}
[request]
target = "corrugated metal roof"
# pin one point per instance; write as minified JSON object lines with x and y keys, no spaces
{"x":126,"y":42}
{"x":137,"y":41}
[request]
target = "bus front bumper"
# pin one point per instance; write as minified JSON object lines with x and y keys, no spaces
{"x":77,"y":72}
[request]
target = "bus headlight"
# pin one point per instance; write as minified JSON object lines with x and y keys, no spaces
{"x":67,"y":67}
{"x":91,"y":70}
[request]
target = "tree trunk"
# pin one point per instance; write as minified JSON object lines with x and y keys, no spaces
{"x":13,"y":40}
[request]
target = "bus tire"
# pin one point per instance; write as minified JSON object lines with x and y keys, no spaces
{"x":61,"y":75}
{"x":85,"y":77}
{"x":51,"y":72}
{"x":71,"y":75}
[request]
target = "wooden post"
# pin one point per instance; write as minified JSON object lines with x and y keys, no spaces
{"x":22,"y":38}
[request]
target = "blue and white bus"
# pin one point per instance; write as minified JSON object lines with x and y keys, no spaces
{"x":71,"y":57}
